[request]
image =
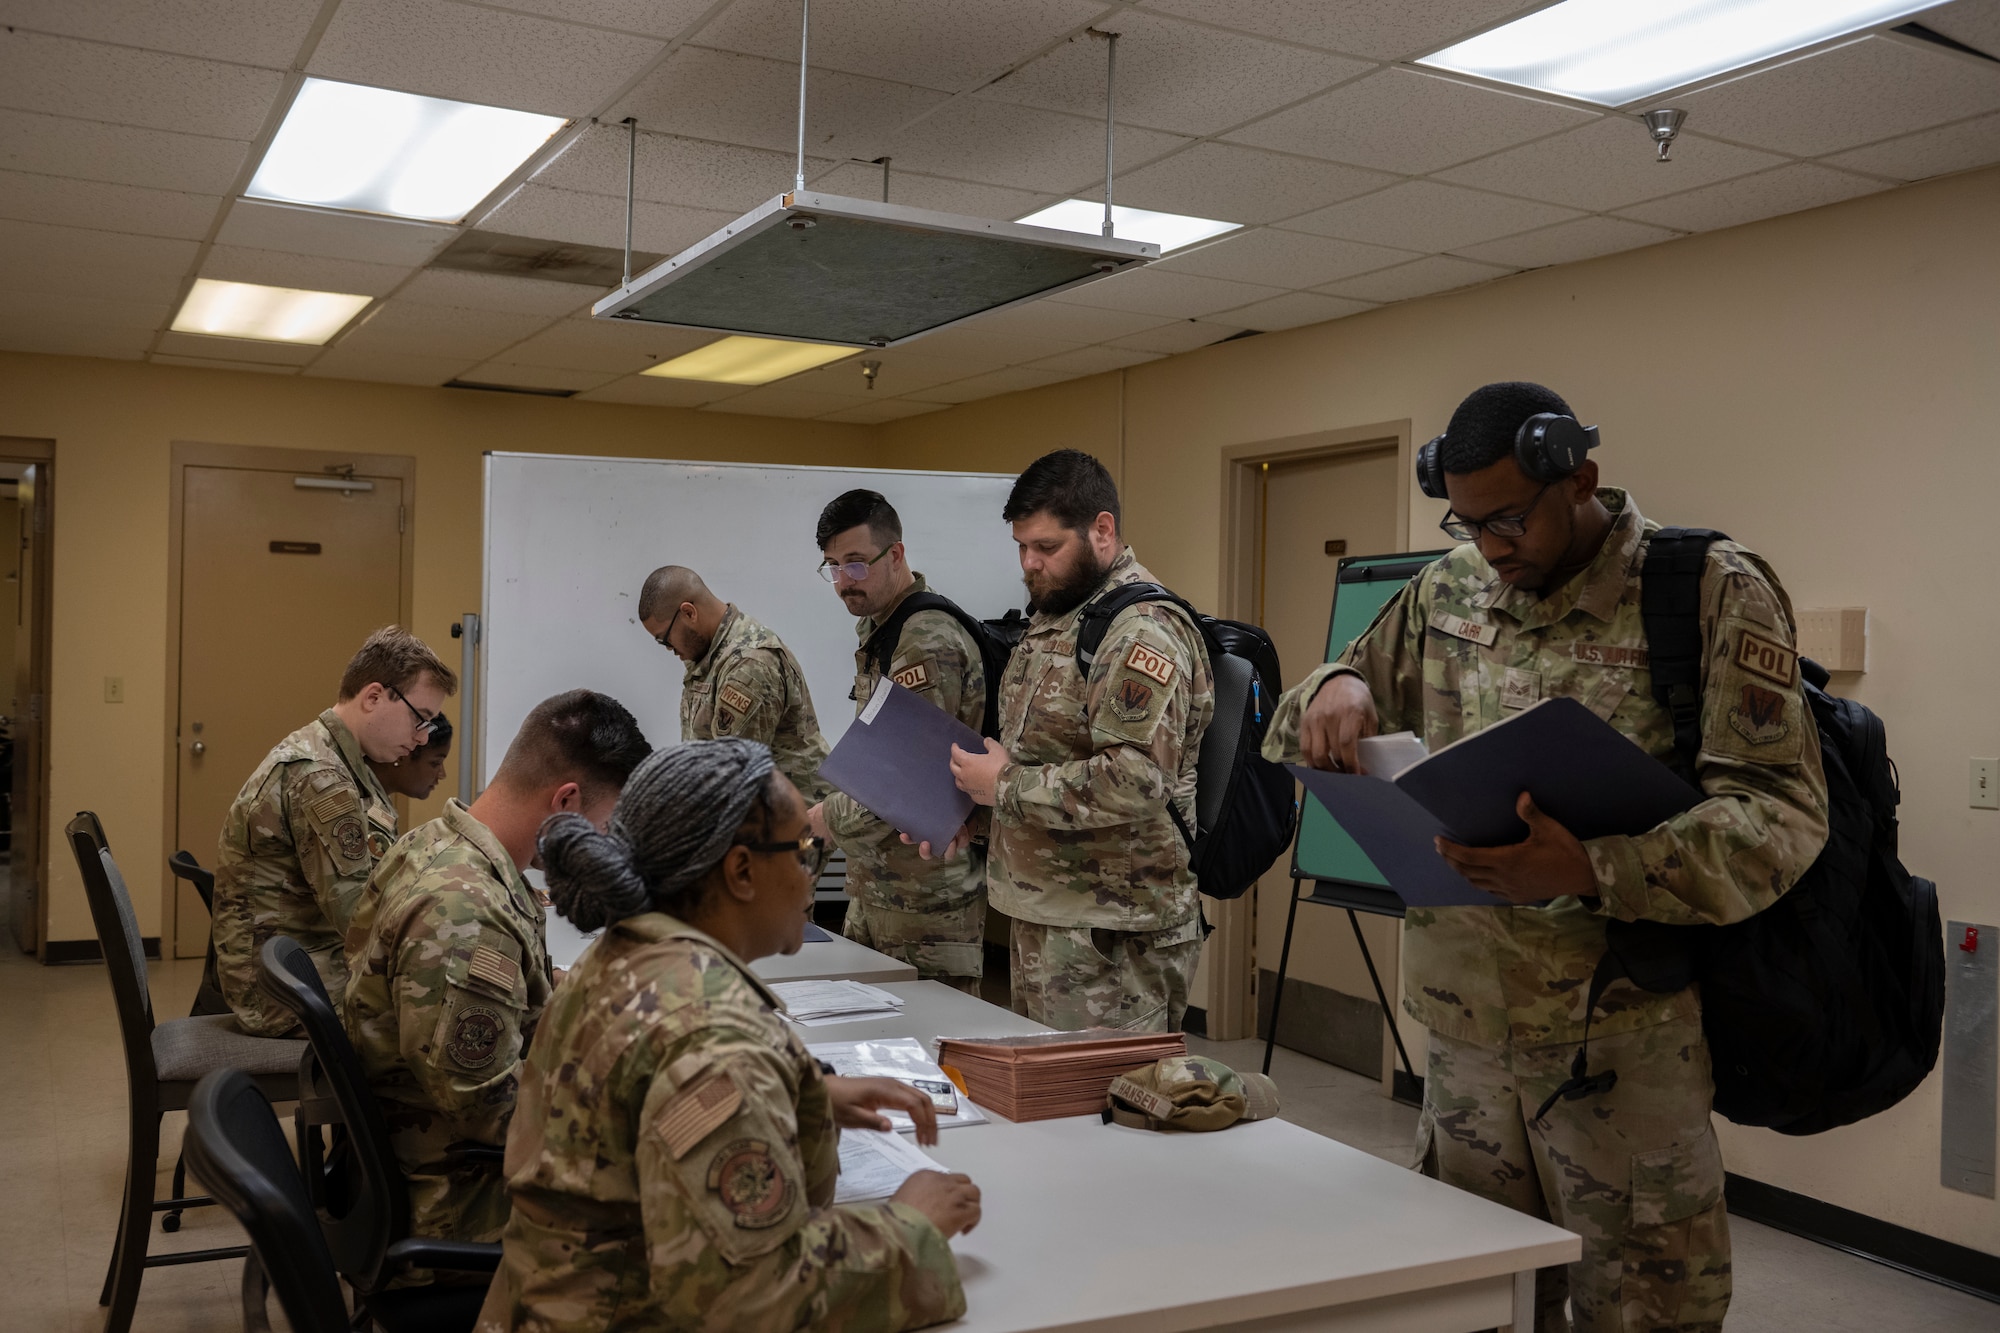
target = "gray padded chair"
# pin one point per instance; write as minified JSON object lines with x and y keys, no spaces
{"x":163,"y":1061}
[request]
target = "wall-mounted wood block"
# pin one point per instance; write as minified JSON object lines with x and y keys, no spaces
{"x":1835,"y":637}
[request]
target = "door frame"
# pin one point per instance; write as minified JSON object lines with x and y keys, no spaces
{"x":41,"y":453}
{"x":1232,"y":962}
{"x":183,"y":455}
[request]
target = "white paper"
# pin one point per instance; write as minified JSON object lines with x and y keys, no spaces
{"x":1387,"y":756}
{"x":808,"y":1000}
{"x":900,"y":1058}
{"x":874,"y":1164}
{"x":876,"y":700}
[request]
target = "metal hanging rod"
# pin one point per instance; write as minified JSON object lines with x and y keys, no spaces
{"x":1110,"y":114}
{"x":805,"y":35}
{"x":631,"y":172}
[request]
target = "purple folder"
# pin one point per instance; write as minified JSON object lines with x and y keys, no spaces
{"x":896,"y":761}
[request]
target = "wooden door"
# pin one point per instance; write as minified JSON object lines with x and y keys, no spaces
{"x":26,"y":603}
{"x":279,"y":584}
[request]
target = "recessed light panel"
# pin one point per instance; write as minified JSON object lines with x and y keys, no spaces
{"x":375,"y":151}
{"x":1169,"y":231}
{"x":267,"y":314}
{"x":741,"y":360}
{"x":1615,"y":52}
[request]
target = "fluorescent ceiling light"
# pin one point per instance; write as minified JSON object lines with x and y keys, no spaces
{"x":1169,"y":231}
{"x":268,"y":314}
{"x":376,"y":151}
{"x":740,"y":360}
{"x":1613,"y":52}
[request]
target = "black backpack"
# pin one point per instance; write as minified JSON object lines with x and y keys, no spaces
{"x":1827,"y":1006}
{"x":1244,"y":811}
{"x":994,"y":648}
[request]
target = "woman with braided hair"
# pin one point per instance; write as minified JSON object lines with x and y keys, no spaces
{"x":674,"y":1147}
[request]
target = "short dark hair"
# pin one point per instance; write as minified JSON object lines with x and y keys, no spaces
{"x":395,"y":659}
{"x":1068,"y":485}
{"x":580,"y":736}
{"x":1482,"y":430}
{"x":852,"y":510}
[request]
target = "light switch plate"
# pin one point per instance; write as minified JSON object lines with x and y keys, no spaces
{"x":114,"y":689}
{"x":1985,"y":784}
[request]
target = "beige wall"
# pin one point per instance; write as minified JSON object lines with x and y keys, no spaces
{"x":1824,"y":387}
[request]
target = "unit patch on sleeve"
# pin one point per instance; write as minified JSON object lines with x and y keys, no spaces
{"x":736,"y":698}
{"x":475,"y":1037}
{"x":1149,"y":663}
{"x":1759,"y":716}
{"x":1132,"y":700}
{"x":698,"y":1112}
{"x":915,"y":676}
{"x":1761,"y":657}
{"x":1460,"y":628}
{"x":351,"y":838}
{"x":746,"y":1178}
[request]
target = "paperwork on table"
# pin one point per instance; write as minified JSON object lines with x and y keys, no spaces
{"x":905,"y":1060}
{"x":874,"y":1164}
{"x":817,"y":1003}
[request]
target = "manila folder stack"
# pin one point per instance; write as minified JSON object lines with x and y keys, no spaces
{"x":1051,"y":1074}
{"x":896,"y":761}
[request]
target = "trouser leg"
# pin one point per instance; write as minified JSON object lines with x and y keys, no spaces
{"x":945,"y":944}
{"x":1073,"y":977}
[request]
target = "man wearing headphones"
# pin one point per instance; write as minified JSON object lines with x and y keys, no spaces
{"x":1542,"y":600}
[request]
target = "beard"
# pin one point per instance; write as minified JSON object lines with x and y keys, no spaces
{"x":1059,"y":597}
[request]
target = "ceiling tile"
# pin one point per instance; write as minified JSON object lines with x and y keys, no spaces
{"x":516,"y":375}
{"x":1166,"y":293}
{"x":1293,"y":310}
{"x":842,"y":379}
{"x":673,"y":170}
{"x":1852,"y":95}
{"x":236,"y":349}
{"x":496,"y":291}
{"x":37,"y":257}
{"x":1788,"y":189}
{"x":1237,"y":184}
{"x":973,"y":343}
{"x":212,"y":363}
{"x":67,"y":202}
{"x":1433,"y":273}
{"x":1183,"y":335}
{"x":477,"y":54}
{"x":74,"y":340}
{"x":26,"y":309}
{"x":89,"y":150}
{"x":308,"y":231}
{"x":386,"y":365}
{"x":1067,"y":323}
{"x":440,"y":331}
{"x":1175,"y":76}
{"x":1284,"y":258}
{"x":738,"y":99}
{"x":863,"y":180}
{"x":945,"y":44}
{"x":1026,"y":147}
{"x":1960,"y":147}
{"x":1424,"y":215}
{"x":599,"y":219}
{"x":1094,"y":360}
{"x":781,"y":400}
{"x":902,"y":373}
{"x":889,"y":409}
{"x":250,"y":32}
{"x":617,"y":347}
{"x":146,"y":88}
{"x":652,"y":391}
{"x":1011,"y":380}
{"x":1379,"y":29}
{"x":1401,"y":120}
{"x":1974,"y":22}
{"x":1585,"y":238}
{"x":652,"y":18}
{"x":272,"y":268}
{"x":1608,"y":165}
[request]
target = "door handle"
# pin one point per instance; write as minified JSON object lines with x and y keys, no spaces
{"x":198,"y":749}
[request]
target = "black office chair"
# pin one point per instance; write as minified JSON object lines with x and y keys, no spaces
{"x":162,"y":1063}
{"x":208,"y":999}
{"x":357,"y":1186}
{"x":238,"y":1150}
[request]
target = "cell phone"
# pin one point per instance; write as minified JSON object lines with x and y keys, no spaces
{"x":942,"y":1095}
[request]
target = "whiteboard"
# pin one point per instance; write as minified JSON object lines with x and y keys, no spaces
{"x":569,"y":540}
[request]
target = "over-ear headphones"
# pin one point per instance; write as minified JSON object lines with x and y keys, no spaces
{"x":1548,"y":447}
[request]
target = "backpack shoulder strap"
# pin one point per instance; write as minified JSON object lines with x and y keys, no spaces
{"x":1104,"y":608}
{"x":881,"y":645}
{"x":1670,"y":607}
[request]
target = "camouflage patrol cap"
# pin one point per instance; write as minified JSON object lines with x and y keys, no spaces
{"x":1189,"y":1092}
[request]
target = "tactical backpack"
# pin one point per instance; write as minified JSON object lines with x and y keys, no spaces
{"x":1827,"y":1006}
{"x":994,"y":648}
{"x":1244,"y":810}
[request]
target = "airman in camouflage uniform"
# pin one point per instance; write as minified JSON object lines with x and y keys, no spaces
{"x":929,"y":913}
{"x":297,"y":848}
{"x":449,"y":973}
{"x":1635,"y":1170}
{"x":750,"y":685}
{"x":1084,"y":856}
{"x":674,"y":1160}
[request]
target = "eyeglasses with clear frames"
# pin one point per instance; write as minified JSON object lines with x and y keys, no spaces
{"x":856,"y":570}
{"x":807,"y":849}
{"x":1500,"y":525}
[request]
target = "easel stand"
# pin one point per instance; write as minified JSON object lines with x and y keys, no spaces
{"x":1405,"y":1086}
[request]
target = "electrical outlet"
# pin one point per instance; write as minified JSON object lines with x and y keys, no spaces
{"x":1985,"y":794}
{"x":114,"y":689}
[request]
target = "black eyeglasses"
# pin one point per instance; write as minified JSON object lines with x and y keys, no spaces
{"x":425,"y":725}
{"x":807,"y":849}
{"x":1500,"y":525}
{"x":856,"y":570}
{"x":661,"y":637}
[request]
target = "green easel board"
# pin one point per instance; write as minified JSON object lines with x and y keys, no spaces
{"x":1364,"y":585}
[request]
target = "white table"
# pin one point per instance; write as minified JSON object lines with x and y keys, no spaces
{"x":1262,"y":1226}
{"x":836,"y":959}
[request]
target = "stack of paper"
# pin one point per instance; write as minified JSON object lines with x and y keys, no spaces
{"x":874,"y":1164}
{"x":1050,"y":1074}
{"x":903,"y":1059}
{"x":816,"y":1003}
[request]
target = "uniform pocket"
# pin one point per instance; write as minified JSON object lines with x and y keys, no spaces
{"x":1676,"y":1251}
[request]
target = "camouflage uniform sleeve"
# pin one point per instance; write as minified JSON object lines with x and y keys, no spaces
{"x":1389,"y":658}
{"x":1138,"y":701}
{"x":1765,"y":817}
{"x":329,"y":822}
{"x":462,"y":1012}
{"x":750,"y":697}
{"x":735,"y":1241}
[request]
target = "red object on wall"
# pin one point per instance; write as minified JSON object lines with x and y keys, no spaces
{"x":1970,"y":944}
